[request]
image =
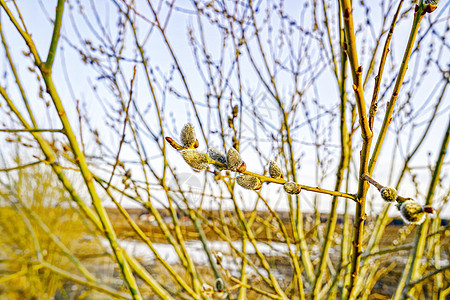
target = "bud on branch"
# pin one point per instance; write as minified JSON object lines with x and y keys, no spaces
{"x":233,"y":161}
{"x":410,"y":210}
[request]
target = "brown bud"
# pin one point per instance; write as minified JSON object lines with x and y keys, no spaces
{"x":429,"y":8}
{"x":428,"y":209}
{"x":235,"y":111}
{"x":174,"y":144}
{"x":431,"y":2}
{"x":242,"y":168}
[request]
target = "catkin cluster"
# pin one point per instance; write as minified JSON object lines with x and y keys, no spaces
{"x":232,"y":161}
{"x":410,"y":210}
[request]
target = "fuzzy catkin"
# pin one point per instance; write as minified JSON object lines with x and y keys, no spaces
{"x":275,"y":170}
{"x":234,"y":160}
{"x":187,"y":135}
{"x":195,"y":159}
{"x":216,"y":155}
{"x":412,"y":212}
{"x":249,"y":182}
{"x":292,"y":188}
{"x":389,"y":194}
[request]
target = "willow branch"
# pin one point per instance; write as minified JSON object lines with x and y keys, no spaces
{"x":55,"y":36}
{"x":376,"y":89}
{"x":31,"y":130}
{"x":401,"y":75}
{"x":366,"y":134}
